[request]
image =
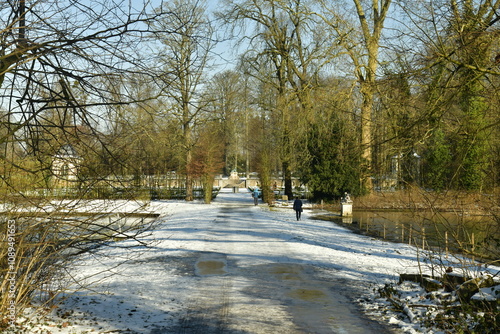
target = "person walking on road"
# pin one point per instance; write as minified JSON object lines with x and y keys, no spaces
{"x":255,"y":195}
{"x":297,"y":206}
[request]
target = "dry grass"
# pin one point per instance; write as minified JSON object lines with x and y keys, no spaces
{"x":418,"y":199}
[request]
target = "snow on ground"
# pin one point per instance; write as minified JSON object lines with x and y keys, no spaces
{"x":138,"y":289}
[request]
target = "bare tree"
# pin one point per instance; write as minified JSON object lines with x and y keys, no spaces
{"x":60,"y":62}
{"x":283,"y":53}
{"x":184,"y":59}
{"x":362,"y":44}
{"x":229,"y":102}
{"x":74,"y":59}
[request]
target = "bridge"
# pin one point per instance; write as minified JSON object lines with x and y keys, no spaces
{"x":235,"y":181}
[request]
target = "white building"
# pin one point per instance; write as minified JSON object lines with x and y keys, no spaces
{"x":65,"y":166}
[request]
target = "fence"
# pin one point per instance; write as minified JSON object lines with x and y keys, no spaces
{"x":435,"y":236}
{"x":144,"y":193}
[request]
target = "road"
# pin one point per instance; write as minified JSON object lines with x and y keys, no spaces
{"x":246,"y":277}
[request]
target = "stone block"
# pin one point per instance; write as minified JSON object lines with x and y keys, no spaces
{"x":417,"y":278}
{"x":466,"y":290}
{"x":430,"y":284}
{"x":452,"y":280}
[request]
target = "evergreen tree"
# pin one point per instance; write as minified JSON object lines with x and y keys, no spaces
{"x":438,"y":160}
{"x":333,"y":166}
{"x":472,"y":152}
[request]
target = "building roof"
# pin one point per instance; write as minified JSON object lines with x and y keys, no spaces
{"x":67,"y":151}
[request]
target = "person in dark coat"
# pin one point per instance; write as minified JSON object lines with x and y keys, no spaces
{"x":297,"y":206}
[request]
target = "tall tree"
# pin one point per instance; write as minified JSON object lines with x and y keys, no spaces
{"x":281,"y":54}
{"x":51,"y":62}
{"x":58,"y":62}
{"x":470,"y":24}
{"x":460,"y":38}
{"x":229,"y":103}
{"x":362,"y":44}
{"x":332,"y":165}
{"x":184,"y":57}
{"x":208,"y":157}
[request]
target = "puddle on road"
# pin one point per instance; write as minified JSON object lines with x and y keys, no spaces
{"x":286,"y":272}
{"x":296,"y":297}
{"x":317,"y":300}
{"x":211,"y":264}
{"x":210,"y":267}
{"x":308,"y":295}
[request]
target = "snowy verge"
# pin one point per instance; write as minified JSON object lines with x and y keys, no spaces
{"x":131,"y":288}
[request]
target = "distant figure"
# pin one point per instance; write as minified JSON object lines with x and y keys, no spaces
{"x":255,"y":195}
{"x":297,"y":206}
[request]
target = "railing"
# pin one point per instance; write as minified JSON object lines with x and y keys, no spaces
{"x":144,"y":193}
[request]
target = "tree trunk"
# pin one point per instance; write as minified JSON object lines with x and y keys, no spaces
{"x":265,"y":176}
{"x":189,"y":178}
{"x":371,"y":36}
{"x":188,"y":150}
{"x":208,"y":184}
{"x":366,"y":135}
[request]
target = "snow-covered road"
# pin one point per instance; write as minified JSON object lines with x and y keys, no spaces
{"x":231,"y":267}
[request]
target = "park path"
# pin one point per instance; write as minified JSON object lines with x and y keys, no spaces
{"x":247,"y":276}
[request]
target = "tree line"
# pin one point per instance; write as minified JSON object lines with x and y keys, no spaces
{"x":354,"y":96}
